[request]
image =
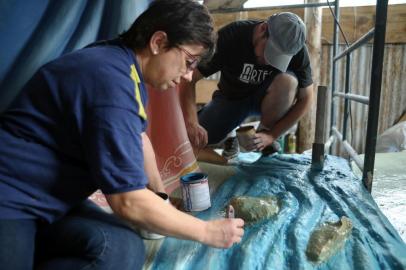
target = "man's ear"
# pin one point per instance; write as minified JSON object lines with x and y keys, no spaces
{"x":158,"y":41}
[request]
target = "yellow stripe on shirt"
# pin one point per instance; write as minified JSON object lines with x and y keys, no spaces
{"x":136,"y":79}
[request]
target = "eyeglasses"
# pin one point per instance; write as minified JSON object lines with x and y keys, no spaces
{"x":193,"y":60}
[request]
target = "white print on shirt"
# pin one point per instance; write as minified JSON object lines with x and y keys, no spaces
{"x":253,"y":76}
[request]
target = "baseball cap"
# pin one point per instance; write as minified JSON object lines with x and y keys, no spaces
{"x":287,"y":35}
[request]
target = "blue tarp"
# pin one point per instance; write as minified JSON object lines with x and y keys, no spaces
{"x":308,"y":199}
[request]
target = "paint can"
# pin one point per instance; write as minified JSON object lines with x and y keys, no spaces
{"x":195,"y":191}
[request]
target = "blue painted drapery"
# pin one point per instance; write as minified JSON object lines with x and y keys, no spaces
{"x":34,"y":32}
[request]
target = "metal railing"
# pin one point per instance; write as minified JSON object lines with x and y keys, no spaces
{"x":373,"y":101}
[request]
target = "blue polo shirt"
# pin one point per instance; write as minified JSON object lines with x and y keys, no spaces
{"x":75,"y":128}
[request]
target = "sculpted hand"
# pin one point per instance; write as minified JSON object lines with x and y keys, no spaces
{"x":262,"y":140}
{"x":223,"y":233}
{"x":197,"y":135}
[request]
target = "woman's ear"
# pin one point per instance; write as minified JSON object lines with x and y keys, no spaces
{"x":157,"y":42}
{"x":264,"y":27}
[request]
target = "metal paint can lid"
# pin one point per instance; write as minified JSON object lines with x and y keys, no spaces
{"x":192,"y":178}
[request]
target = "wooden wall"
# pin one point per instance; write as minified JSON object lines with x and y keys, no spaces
{"x":355,"y":21}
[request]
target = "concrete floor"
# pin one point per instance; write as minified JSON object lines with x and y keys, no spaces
{"x":389,"y":187}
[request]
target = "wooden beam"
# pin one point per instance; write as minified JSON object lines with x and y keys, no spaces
{"x":313,"y":21}
{"x":221,"y":20}
{"x":356,"y":21}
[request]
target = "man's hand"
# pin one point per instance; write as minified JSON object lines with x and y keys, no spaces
{"x":197,"y":135}
{"x":262,"y":139}
{"x":223,"y":233}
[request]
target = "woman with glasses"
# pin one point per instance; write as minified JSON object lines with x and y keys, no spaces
{"x":78,"y":126}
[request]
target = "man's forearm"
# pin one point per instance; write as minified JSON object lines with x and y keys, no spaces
{"x":187,"y":98}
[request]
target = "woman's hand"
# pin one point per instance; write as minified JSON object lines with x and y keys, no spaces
{"x":223,"y":233}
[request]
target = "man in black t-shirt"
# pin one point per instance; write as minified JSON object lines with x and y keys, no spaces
{"x":265,"y":70}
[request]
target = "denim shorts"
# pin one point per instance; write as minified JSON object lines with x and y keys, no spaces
{"x":223,"y":114}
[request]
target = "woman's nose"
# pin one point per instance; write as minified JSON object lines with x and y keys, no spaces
{"x":188,"y":75}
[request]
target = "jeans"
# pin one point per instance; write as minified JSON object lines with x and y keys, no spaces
{"x":86,"y":238}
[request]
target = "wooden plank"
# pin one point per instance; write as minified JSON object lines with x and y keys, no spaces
{"x":221,"y":20}
{"x":313,"y":17}
{"x":356,"y":21}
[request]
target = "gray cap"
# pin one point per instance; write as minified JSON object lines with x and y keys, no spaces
{"x":287,"y":35}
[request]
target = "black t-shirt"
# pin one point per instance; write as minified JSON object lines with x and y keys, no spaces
{"x":240,"y":72}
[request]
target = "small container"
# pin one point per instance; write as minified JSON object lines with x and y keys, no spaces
{"x":195,"y":192}
{"x":150,"y":235}
{"x":245,"y":137}
{"x":292,"y":143}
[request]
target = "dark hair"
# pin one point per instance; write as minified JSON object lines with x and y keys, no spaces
{"x":184,"y":22}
